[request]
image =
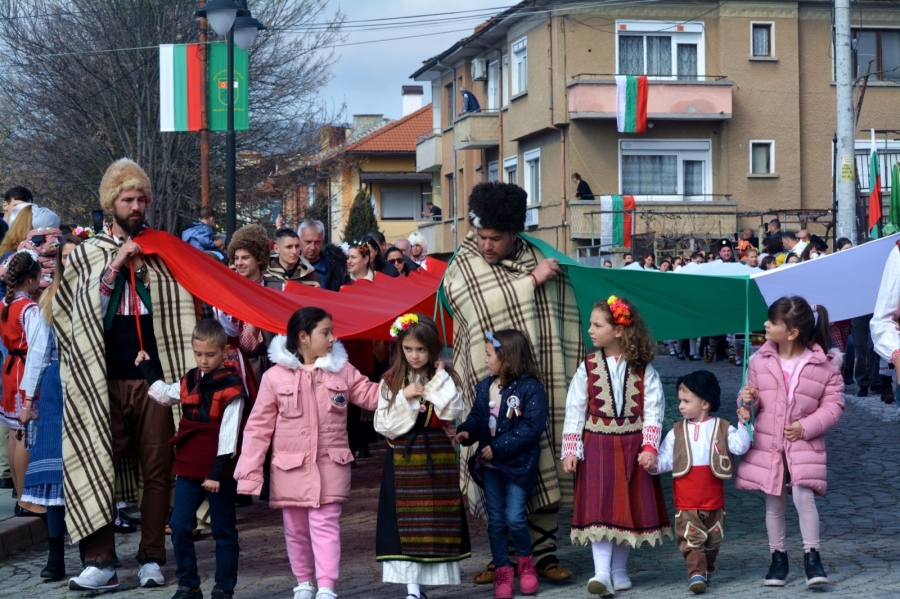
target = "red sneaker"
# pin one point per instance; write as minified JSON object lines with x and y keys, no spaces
{"x":528,"y":579}
{"x":503,"y":583}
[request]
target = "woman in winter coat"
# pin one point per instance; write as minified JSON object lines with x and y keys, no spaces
{"x":301,"y":409}
{"x":796,"y":391}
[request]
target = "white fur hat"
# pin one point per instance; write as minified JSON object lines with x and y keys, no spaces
{"x":122,"y":175}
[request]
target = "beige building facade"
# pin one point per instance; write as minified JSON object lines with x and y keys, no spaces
{"x":741,"y":117}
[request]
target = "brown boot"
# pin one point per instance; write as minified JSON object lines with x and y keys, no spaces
{"x":486,"y":576}
{"x":550,"y":569}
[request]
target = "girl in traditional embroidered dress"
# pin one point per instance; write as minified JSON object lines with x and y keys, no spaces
{"x":20,"y":321}
{"x":421,"y":532}
{"x":614,"y":413}
{"x":508,"y":417}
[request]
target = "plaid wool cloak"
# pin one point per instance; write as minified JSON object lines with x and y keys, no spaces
{"x":90,"y":482}
{"x":485,"y":297}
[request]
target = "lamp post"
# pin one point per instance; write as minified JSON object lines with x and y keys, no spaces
{"x":233,"y":19}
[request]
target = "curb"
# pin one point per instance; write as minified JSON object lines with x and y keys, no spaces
{"x":17,"y":534}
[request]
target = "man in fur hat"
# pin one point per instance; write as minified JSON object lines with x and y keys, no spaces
{"x":114,"y":302}
{"x":498,"y":280}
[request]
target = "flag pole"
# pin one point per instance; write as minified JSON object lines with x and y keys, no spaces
{"x":204,"y":116}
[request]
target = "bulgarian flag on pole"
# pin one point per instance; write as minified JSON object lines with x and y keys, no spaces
{"x":179,"y":87}
{"x":631,"y":103}
{"x":874,"y":193}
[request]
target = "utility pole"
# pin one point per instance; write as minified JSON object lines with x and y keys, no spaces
{"x":204,"y":116}
{"x":846,"y":160}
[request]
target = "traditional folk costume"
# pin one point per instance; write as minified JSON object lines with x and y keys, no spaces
{"x":96,"y":314}
{"x":421,"y":532}
{"x":206,"y":447}
{"x":700,"y":456}
{"x":613,"y":412}
{"x":22,"y":326}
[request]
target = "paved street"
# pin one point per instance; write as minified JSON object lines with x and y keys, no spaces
{"x":859,"y":532}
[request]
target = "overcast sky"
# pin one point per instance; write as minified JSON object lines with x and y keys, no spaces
{"x":368,"y":76}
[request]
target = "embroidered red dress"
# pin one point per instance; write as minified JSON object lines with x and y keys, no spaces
{"x":13,"y":336}
{"x":615,"y":498}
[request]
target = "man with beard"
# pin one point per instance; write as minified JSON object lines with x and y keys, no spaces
{"x":113,"y":303}
{"x":498,"y":280}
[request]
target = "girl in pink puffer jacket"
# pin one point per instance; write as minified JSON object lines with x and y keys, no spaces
{"x":797,"y":393}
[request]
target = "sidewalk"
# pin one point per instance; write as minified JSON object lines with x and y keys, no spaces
{"x":17,"y":534}
{"x":858,"y":515}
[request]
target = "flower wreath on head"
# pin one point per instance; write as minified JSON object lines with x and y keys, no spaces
{"x":361,"y":246}
{"x":403,"y":323}
{"x":83,"y":232}
{"x":620,"y":311}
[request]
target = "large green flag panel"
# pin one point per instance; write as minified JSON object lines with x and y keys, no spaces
{"x":218,"y":88}
{"x":716,"y":299}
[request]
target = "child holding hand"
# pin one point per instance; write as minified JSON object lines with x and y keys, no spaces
{"x":508,"y":416}
{"x":613,"y":424}
{"x":699,"y":451}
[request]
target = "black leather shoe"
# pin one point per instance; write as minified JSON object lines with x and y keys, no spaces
{"x":25,"y":513}
{"x":863,"y":392}
{"x":815,"y":571}
{"x":777,"y":576}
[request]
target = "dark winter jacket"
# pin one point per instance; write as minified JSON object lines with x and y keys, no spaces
{"x":516,"y":447}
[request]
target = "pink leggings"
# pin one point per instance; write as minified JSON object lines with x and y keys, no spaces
{"x":805,"y":502}
{"x":313,"y":538}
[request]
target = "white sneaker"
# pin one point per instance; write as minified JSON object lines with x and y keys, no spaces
{"x":326,"y":593}
{"x":94,"y":579}
{"x":600,"y":585}
{"x":151,"y":576}
{"x":304,"y":590}
{"x":620,"y":580}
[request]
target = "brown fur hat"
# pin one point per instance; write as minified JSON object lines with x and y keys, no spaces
{"x":252,"y":238}
{"x":122,"y":175}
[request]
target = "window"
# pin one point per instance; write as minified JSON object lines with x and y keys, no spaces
{"x":532,"y":182}
{"x":520,"y":66}
{"x":310,"y":194}
{"x":450,"y":102}
{"x":493,"y":172}
{"x":665,"y":169}
{"x":504,"y":98}
{"x":762,"y":41}
{"x":660,"y":49}
{"x":511,"y":166}
{"x":881,"y":48}
{"x":493,"y":85}
{"x":401,"y":203}
{"x":762,"y":157}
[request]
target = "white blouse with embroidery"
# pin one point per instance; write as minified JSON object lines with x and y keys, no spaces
{"x":577,"y":403}
{"x":397,"y":417}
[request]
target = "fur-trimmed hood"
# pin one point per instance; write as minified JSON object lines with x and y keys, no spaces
{"x":333,"y":362}
{"x":834,"y":356}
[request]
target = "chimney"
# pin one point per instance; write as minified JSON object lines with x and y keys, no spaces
{"x":412,"y":98}
{"x":330,"y":137}
{"x":365,"y":122}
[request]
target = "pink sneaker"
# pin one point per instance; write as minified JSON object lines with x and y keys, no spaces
{"x":528,"y":579}
{"x":503,"y":583}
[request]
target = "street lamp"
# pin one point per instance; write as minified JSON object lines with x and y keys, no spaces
{"x":231,"y":18}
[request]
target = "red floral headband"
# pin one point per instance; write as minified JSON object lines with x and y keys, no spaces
{"x":620,"y":311}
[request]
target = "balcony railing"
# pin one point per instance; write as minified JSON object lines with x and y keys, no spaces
{"x":429,"y":151}
{"x":477,"y":130}
{"x":439,"y":235}
{"x":693,"y":97}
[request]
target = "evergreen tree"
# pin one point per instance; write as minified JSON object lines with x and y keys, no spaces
{"x":362,"y":220}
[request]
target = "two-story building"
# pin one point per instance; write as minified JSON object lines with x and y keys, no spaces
{"x":741,"y":115}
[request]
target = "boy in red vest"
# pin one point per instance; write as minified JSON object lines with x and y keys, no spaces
{"x":699,"y":451}
{"x":212,"y":398}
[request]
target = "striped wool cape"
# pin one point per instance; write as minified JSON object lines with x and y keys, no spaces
{"x":90,"y":481}
{"x":485,"y":297}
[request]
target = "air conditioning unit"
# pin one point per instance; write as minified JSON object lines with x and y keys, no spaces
{"x":479,"y":69}
{"x":531,"y":217}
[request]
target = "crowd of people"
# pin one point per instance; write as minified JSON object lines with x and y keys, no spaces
{"x":103,"y":341}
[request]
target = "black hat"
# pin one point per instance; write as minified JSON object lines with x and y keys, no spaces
{"x":725,"y":242}
{"x":704,"y":385}
{"x":498,"y":206}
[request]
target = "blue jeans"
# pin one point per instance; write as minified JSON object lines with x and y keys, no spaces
{"x":189,"y":494}
{"x":506,"y":513}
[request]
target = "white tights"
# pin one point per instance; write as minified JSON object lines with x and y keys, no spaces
{"x":805,"y":502}
{"x":413,"y":589}
{"x":609,"y":556}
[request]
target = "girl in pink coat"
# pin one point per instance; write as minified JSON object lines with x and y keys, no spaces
{"x":301,"y":410}
{"x":796,"y":390}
